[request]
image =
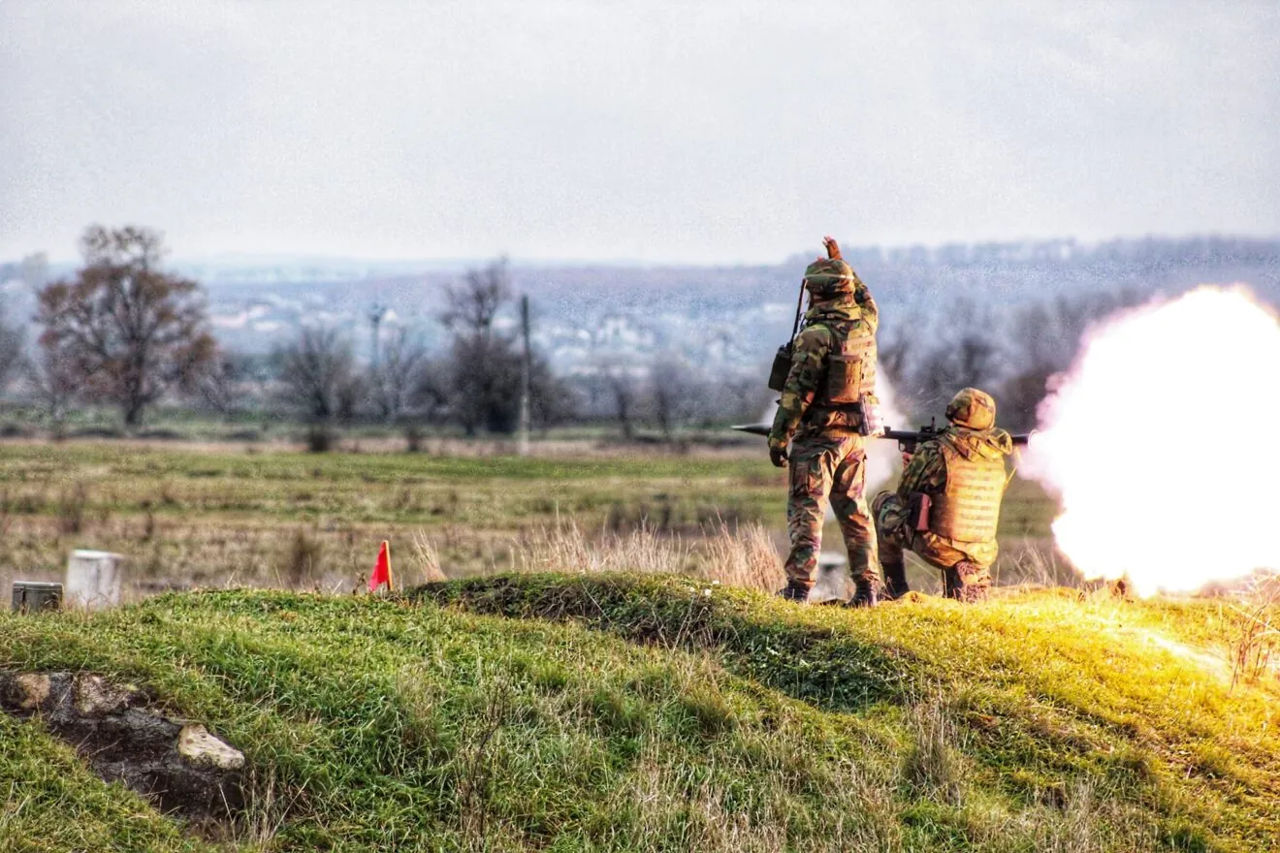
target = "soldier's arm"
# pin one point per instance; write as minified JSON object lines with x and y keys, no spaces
{"x":861,"y":294}
{"x":808,"y":358}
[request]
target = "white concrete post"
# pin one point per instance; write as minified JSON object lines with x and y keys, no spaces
{"x":94,"y":579}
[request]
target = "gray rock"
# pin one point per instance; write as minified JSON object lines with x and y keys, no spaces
{"x":203,"y":749}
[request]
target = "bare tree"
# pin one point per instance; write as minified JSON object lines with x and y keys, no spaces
{"x":474,"y":303}
{"x":483,"y":377}
{"x":673,"y":393}
{"x":397,"y":374}
{"x":316,"y":374}
{"x":618,"y":383}
{"x":128,"y":332}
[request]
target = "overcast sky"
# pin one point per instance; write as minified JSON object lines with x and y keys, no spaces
{"x":723,"y":133}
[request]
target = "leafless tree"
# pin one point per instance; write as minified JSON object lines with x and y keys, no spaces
{"x":484,"y":367}
{"x":673,"y":393}
{"x":619,"y":389}
{"x":398,"y":372}
{"x":127,"y":332}
{"x":316,"y":373}
{"x":474,"y":303}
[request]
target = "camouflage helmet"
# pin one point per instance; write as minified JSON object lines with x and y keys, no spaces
{"x":827,"y":277}
{"x":972,"y":409}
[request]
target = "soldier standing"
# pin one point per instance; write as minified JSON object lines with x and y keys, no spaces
{"x":824,"y":414}
{"x":947,"y":506}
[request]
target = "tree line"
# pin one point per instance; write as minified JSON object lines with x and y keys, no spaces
{"x":123,"y":332}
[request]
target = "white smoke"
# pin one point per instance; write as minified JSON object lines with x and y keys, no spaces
{"x":884,"y":461}
{"x":1158,"y":441}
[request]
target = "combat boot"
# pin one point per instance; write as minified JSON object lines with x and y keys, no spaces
{"x":966,"y":582}
{"x":864,"y":594}
{"x":975,"y":580}
{"x":895,"y":579}
{"x":794,"y":592}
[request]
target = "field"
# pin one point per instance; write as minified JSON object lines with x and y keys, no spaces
{"x":218,"y":515}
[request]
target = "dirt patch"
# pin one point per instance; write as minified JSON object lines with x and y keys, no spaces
{"x":175,"y":763}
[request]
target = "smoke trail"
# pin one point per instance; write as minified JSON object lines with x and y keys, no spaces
{"x":1159,"y":442}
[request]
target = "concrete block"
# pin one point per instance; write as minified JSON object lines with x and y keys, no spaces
{"x":94,"y":579}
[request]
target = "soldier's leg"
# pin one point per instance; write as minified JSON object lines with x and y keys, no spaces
{"x":848,"y":499}
{"x":892,"y":533}
{"x":812,"y":464}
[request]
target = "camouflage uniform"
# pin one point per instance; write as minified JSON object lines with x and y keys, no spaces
{"x":965,"y":556}
{"x":826,"y":455}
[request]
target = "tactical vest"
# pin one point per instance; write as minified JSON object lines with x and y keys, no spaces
{"x":969,"y":508}
{"x":851,"y":366}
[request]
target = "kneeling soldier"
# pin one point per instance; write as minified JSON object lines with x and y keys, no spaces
{"x":948,"y":504}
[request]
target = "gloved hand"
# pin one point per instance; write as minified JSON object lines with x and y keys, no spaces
{"x":833,"y":248}
{"x":778,"y":455}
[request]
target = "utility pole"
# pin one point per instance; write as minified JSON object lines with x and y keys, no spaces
{"x":522,"y":443}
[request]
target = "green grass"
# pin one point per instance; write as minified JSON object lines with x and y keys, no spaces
{"x":628,"y":713}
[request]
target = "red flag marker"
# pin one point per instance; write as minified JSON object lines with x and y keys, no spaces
{"x":381,"y":572}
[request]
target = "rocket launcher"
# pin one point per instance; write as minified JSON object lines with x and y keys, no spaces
{"x":907,"y":439}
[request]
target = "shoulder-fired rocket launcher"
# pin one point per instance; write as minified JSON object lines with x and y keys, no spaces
{"x":907,"y":439}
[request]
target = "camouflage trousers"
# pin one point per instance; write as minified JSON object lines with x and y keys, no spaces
{"x":965,"y":576}
{"x":832,"y":466}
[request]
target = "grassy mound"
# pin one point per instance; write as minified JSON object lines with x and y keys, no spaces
{"x":1123,"y":715}
{"x":622,"y":713}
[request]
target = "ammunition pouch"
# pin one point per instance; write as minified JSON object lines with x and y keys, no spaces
{"x":851,"y":370}
{"x":844,"y":379}
{"x":781,"y":367}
